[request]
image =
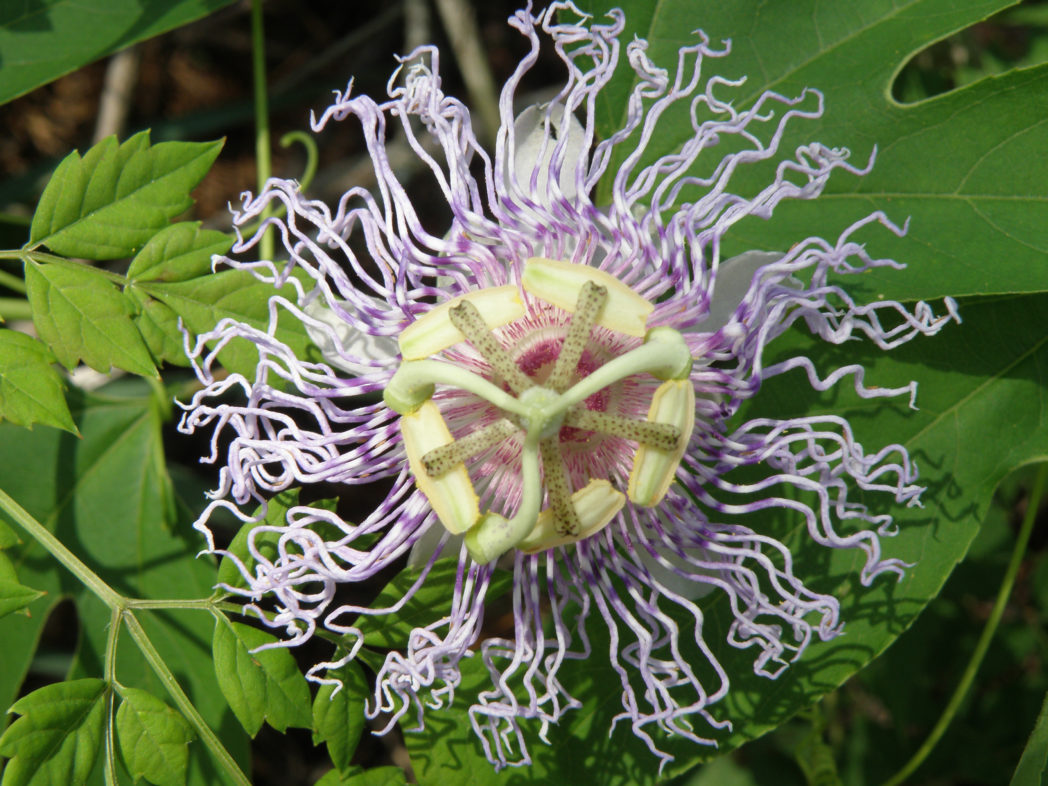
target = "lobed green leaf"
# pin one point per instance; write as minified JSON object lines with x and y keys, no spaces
{"x":59,"y":735}
{"x":260,"y":686}
{"x":30,"y":387}
{"x":109,"y":203}
{"x":966,"y":168}
{"x":377,"y":776}
{"x":153,"y":738}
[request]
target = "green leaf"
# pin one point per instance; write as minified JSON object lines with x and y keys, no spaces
{"x":82,"y":316}
{"x":30,"y":388}
{"x":108,"y":496}
{"x":235,"y":294}
{"x":338,"y":717}
{"x":259,"y":686}
{"x":431,"y":602}
{"x":59,"y":735}
{"x":15,"y":596}
{"x":1033,"y":766}
{"x":178,"y":252}
{"x":966,"y":167}
{"x":109,"y":203}
{"x":377,"y":776}
{"x":153,"y":738}
{"x":42,"y":40}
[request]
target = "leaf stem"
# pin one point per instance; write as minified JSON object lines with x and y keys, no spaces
{"x":262,"y":146}
{"x":109,"y":767}
{"x":981,"y":647}
{"x":218,"y":750}
{"x":72,"y":563}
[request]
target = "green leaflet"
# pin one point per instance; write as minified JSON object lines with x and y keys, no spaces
{"x":259,"y":686}
{"x":40,"y":41}
{"x":967,"y":168}
{"x":30,"y":388}
{"x":338,"y":717}
{"x":109,"y":203}
{"x":153,"y":738}
{"x":82,"y":316}
{"x":59,"y":735}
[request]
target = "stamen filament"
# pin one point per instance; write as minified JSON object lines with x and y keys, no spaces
{"x":413,"y":383}
{"x":558,"y":486}
{"x":441,"y":460}
{"x":471,"y":324}
{"x":663,"y":436}
{"x":592,"y":299}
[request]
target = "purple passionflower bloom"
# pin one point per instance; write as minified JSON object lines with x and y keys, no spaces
{"x":552,"y":386}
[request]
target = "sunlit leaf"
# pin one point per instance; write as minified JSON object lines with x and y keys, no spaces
{"x":30,"y":387}
{"x":109,"y":203}
{"x":59,"y":735}
{"x":82,"y":316}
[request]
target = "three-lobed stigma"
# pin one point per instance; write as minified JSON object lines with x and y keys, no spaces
{"x":541,"y":403}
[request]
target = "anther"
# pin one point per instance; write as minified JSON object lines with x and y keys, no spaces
{"x":441,"y":460}
{"x":565,"y":520}
{"x":592,"y":298}
{"x":662,"y":436}
{"x":468,"y":320}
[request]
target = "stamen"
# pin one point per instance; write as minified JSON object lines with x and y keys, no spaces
{"x":558,"y":487}
{"x":433,"y":332}
{"x":560,"y":282}
{"x":654,"y":469}
{"x":663,"y":436}
{"x":590,"y":304}
{"x":452,"y":495}
{"x":443,"y":459}
{"x":595,"y":505}
{"x":471,"y":324}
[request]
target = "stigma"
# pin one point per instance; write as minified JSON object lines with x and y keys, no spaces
{"x":557,"y":373}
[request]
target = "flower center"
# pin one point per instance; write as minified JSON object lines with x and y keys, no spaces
{"x":547,"y":392}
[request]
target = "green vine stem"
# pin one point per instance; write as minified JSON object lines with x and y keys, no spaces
{"x":262,"y":152}
{"x":15,"y":308}
{"x":981,"y":647}
{"x":122,"y":611}
{"x":109,"y":767}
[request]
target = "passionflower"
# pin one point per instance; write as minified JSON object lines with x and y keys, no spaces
{"x":553,"y":386}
